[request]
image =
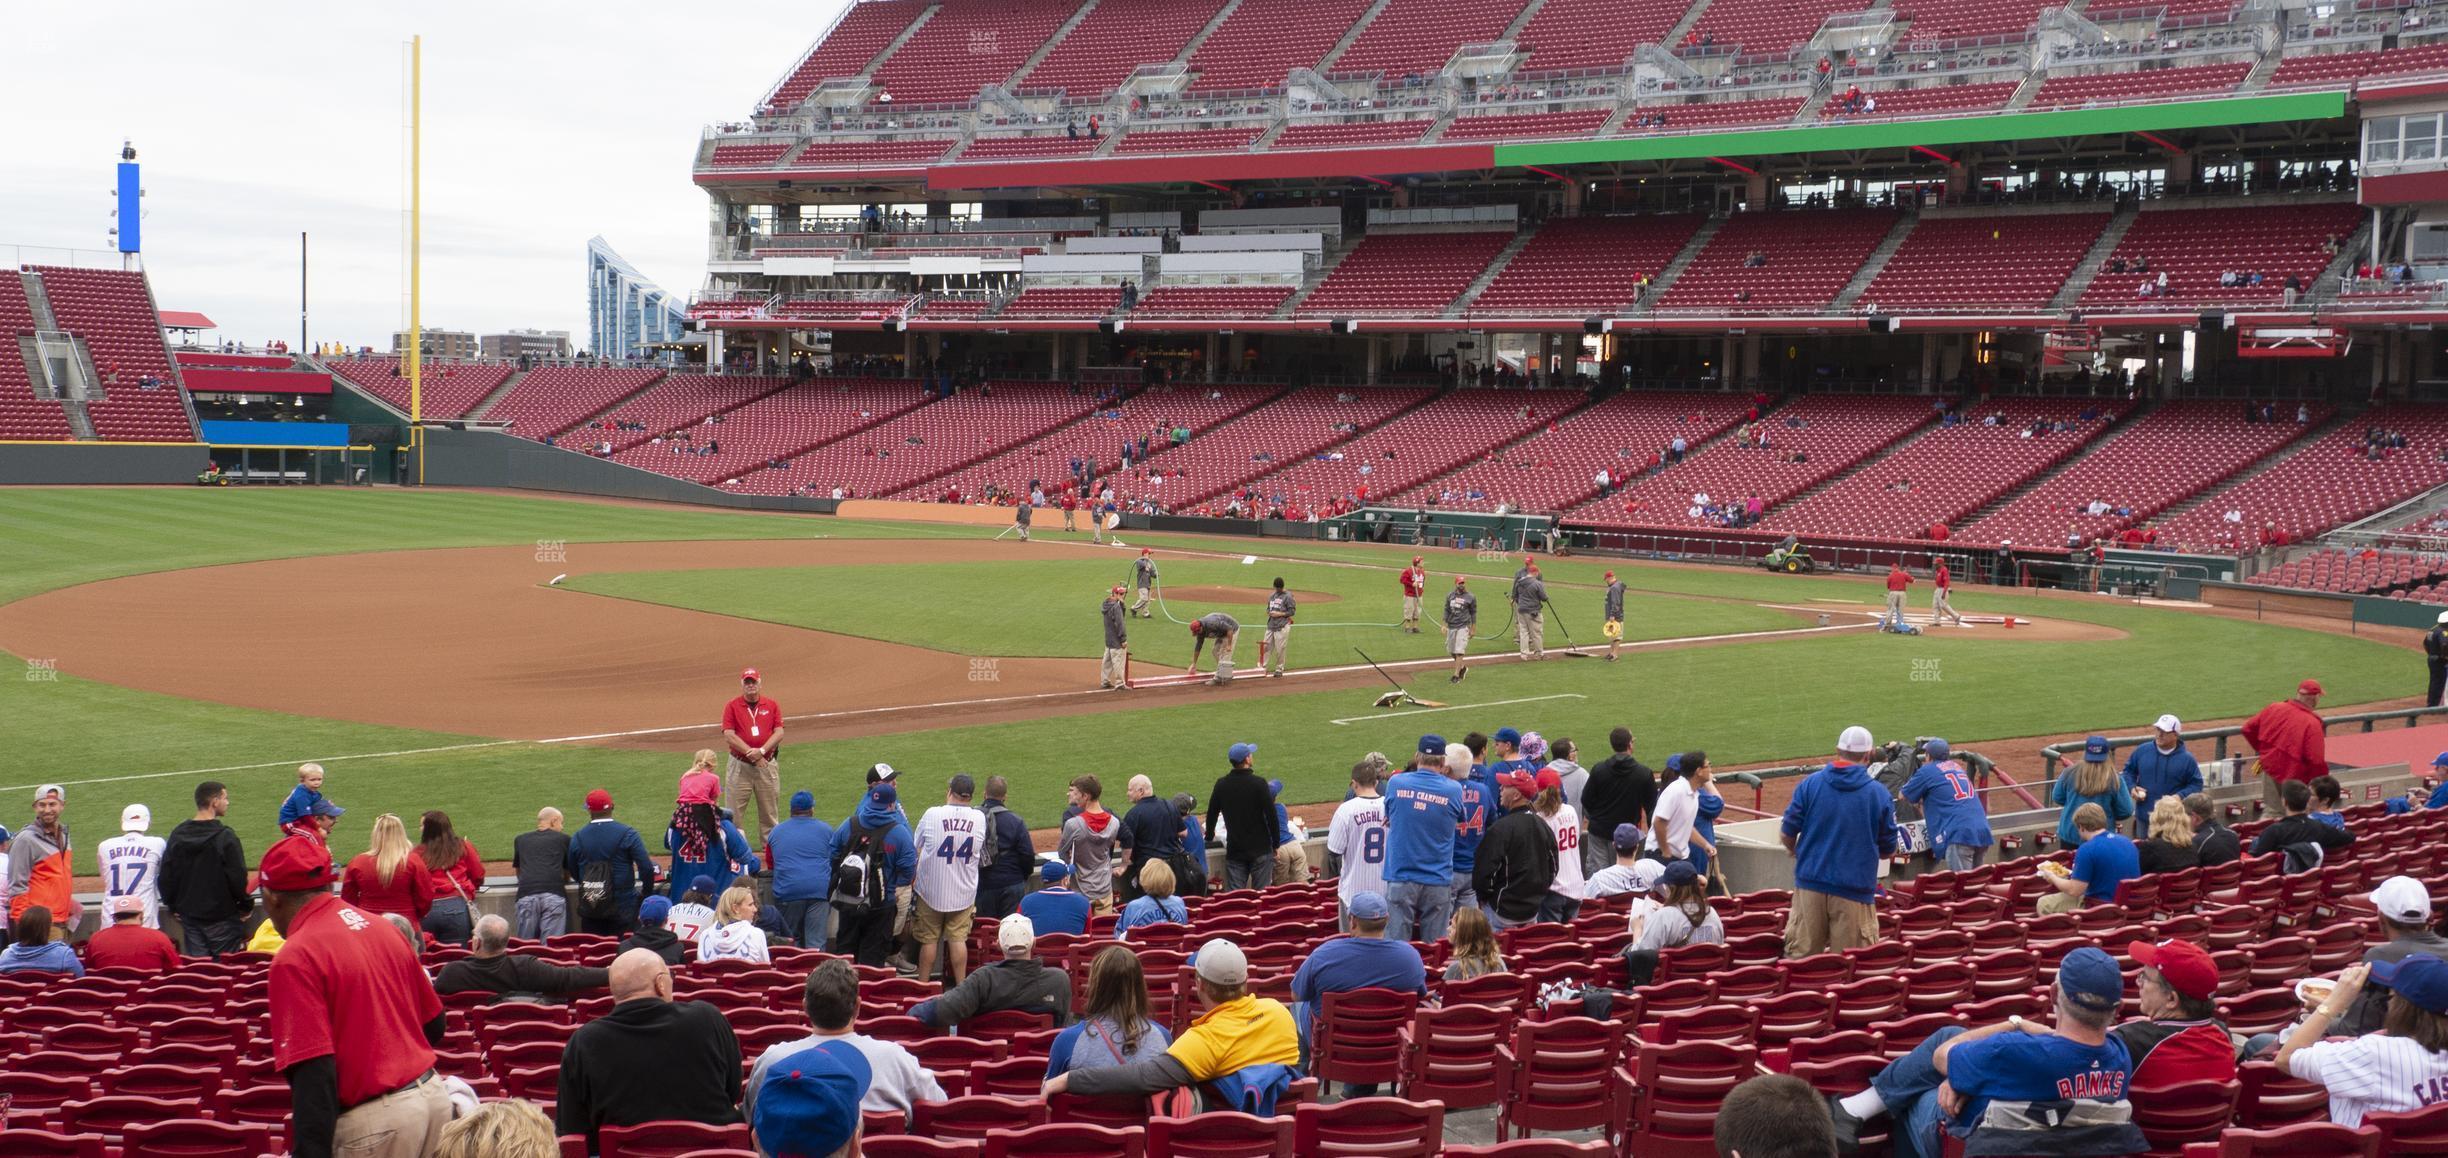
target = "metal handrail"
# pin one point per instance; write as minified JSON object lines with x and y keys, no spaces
{"x":2053,"y":754}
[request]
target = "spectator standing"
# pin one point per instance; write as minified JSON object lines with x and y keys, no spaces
{"x":1563,"y":900}
{"x":873,"y":855}
{"x":34,"y":950}
{"x":2169,"y":847}
{"x":1517,"y":862}
{"x":1155,"y":905}
{"x":1154,"y":833}
{"x":1115,"y":1028}
{"x":1088,"y":843}
{"x":130,"y":863}
{"x":2090,"y":781}
{"x":457,"y":874}
{"x":204,"y":877}
{"x":2103,"y":861}
{"x":2296,"y":830}
{"x":1010,"y":856}
{"x":1356,"y":837}
{"x":1951,"y":808}
{"x":1479,"y":806}
{"x":650,"y":1059}
{"x":1019,"y":981}
{"x":2179,"y":1037}
{"x":2397,"y":1069}
{"x":703,"y":841}
{"x":38,"y":861}
{"x":1291,"y":840}
{"x":2290,"y":740}
{"x":490,"y":967}
{"x":1621,"y":790}
{"x":385,"y":878}
{"x":1838,"y":825}
{"x":540,"y":859}
{"x":2402,"y":910}
{"x":608,"y":860}
{"x":1244,"y":1044}
{"x":2213,"y":843}
{"x":752,"y":727}
{"x":950,"y":840}
{"x":735,"y":935}
{"x":354,"y":1019}
{"x":1240,"y":800}
{"x":1194,"y":843}
{"x":127,"y":943}
{"x":2160,"y":770}
{"x":801,"y":850}
{"x":830,"y":1000}
{"x":1056,"y":908}
{"x":1364,"y":959}
{"x":1678,"y":809}
{"x":654,"y":934}
{"x":1422,"y":809}
{"x":2435,"y":658}
{"x":1114,"y":671}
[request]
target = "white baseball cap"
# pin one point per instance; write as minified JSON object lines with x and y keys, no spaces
{"x":51,"y":790}
{"x":1855,"y":739}
{"x":2403,"y":900}
{"x":1220,"y":962}
{"x":135,"y":818}
{"x":2443,"y":617}
{"x":2169,"y":723}
{"x":1015,"y":932}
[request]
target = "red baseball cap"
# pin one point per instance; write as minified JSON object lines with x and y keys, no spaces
{"x":1117,"y":589}
{"x":2186,"y":966}
{"x":1147,"y":550}
{"x":750,"y":673}
{"x":296,"y":864}
{"x":1548,"y":778}
{"x":1518,"y":781}
{"x":1415,"y":560}
{"x":2309,"y":688}
{"x":599,"y":801}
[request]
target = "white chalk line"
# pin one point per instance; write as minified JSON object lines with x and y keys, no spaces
{"x":985,"y":701}
{"x":1458,"y":708}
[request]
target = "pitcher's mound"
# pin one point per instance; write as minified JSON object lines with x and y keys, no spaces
{"x":1255,"y":596}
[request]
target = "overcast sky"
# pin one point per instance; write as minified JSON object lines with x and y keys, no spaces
{"x":546,"y":122}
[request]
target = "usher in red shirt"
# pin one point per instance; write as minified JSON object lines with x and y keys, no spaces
{"x":753,"y":723}
{"x":345,"y":986}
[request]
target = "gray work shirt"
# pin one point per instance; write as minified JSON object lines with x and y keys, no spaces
{"x":1144,"y":571}
{"x":1614,"y":600}
{"x":1461,"y":610}
{"x":1529,"y":591}
{"x":1024,"y":513}
{"x":1280,"y":607}
{"x":1114,"y":635}
{"x":1219,"y":624}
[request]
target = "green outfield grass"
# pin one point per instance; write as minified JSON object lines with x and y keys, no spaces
{"x":1049,"y":607}
{"x":1745,"y":702}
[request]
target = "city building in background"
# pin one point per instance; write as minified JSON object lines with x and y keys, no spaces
{"x":438,"y":343}
{"x":513,"y":344}
{"x":627,"y":313}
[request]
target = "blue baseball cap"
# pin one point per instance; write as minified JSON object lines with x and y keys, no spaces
{"x":2418,"y":977}
{"x":1680,"y":872}
{"x":1369,"y":906}
{"x":884,"y":795}
{"x":2440,"y":760}
{"x":1274,"y":789}
{"x":809,"y":1102}
{"x":2090,"y":978}
{"x":1432,"y":745}
{"x":1507,"y":736}
{"x":2095,"y":750}
{"x":1674,"y":763}
{"x":654,"y":910}
{"x":702,"y":883}
{"x":1240,"y":753}
{"x":1937,"y":749}
{"x":1053,"y":872}
{"x":803,"y":801}
{"x":1628,"y":837}
{"x":324,"y":807}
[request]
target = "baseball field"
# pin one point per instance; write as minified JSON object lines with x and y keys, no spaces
{"x":417,"y":645}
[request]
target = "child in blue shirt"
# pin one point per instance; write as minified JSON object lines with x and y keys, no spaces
{"x":305,"y":803}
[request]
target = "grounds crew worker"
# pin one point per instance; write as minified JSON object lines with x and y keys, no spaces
{"x":1280,"y":608}
{"x":1021,"y":515}
{"x":1115,"y":673}
{"x":1898,"y":582}
{"x":1942,"y":601}
{"x":1461,"y":615}
{"x":1226,"y":631}
{"x":1414,"y":585}
{"x":1614,"y":615}
{"x":1143,"y":573}
{"x":2435,"y":650}
{"x":1529,"y":611}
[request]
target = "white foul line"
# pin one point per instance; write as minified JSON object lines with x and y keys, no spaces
{"x":1459,"y":708}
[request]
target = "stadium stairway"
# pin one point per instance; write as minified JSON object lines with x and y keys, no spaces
{"x":2305,"y":441}
{"x":2030,"y":87}
{"x":2101,"y":248}
{"x":496,"y":394}
{"x":80,"y":420}
{"x":1665,"y":278}
{"x":1460,"y":306}
{"x":1865,"y":463}
{"x":1877,"y":261}
{"x":1684,"y":26}
{"x":1217,"y":21}
{"x":1521,"y":20}
{"x":2116,"y":426}
{"x":1326,"y":267}
{"x":1325,"y":64}
{"x":1047,"y":49}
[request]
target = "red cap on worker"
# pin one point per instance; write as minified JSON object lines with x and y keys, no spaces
{"x":296,"y":864}
{"x":1117,"y":589}
{"x":1147,"y":550}
{"x":599,"y":801}
{"x":747,"y":674}
{"x":2309,"y":688}
{"x":1610,"y":576}
{"x":1415,"y":560}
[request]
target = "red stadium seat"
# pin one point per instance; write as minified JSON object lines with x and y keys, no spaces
{"x":912,"y":1146}
{"x":1379,"y":1127}
{"x":973,"y":1116}
{"x":1067,"y":1140}
{"x":1359,"y":1036}
{"x":2175,"y":1116}
{"x":1530,"y":1148}
{"x":1220,"y":1134}
{"x":197,"y":1138}
{"x":1563,"y":1076}
{"x":1679,"y":1087}
{"x":2421,"y":1132}
{"x":2309,"y":1140}
{"x":2272,"y":1099}
{"x":1453,"y":1054}
{"x":667,"y":1139}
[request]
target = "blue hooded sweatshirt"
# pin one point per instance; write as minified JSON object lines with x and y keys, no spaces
{"x":1842,"y":822}
{"x":802,"y":849}
{"x":900,"y":848}
{"x":2159,"y":775}
{"x":1478,"y":811}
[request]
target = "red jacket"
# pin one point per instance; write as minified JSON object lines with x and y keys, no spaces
{"x":410,"y":893}
{"x":2288,"y":738}
{"x":460,"y":878}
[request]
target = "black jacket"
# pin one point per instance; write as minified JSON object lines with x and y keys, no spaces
{"x":1517,"y":863}
{"x":648,"y":1061}
{"x":1240,"y":797}
{"x":2158,"y":856}
{"x":2288,"y":830}
{"x":2217,"y":844}
{"x":665,"y":944}
{"x":1155,"y":831}
{"x":204,"y":872}
{"x":1015,"y":858}
{"x":517,"y":973}
{"x":1028,"y":985}
{"x":1620,"y":790}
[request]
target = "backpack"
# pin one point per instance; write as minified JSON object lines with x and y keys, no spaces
{"x":858,"y":871}
{"x":994,"y":836}
{"x":596,"y":900}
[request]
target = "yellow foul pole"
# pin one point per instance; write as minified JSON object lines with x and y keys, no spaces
{"x":416,"y":249}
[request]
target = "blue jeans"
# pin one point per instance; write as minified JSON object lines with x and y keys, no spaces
{"x":448,"y":921}
{"x":1498,"y":922}
{"x":542,"y":915}
{"x":1002,"y":900}
{"x":1464,"y":897}
{"x":1558,"y":908}
{"x":1963,"y":858}
{"x":808,"y":920}
{"x":1415,"y":909}
{"x":1909,"y":1086}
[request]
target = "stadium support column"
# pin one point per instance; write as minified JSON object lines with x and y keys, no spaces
{"x":909,"y":354}
{"x":1929,"y":360}
{"x":714,"y":351}
{"x":1215,"y":349}
{"x":1546,"y":359}
{"x":1056,"y":364}
{"x":1369,"y":342}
